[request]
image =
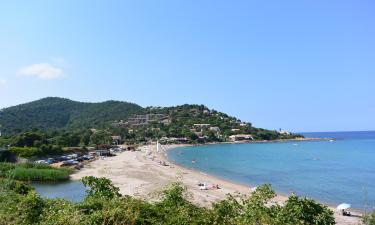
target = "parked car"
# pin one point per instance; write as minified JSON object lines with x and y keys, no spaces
{"x":41,"y":162}
{"x":70,"y":162}
{"x":51,"y":160}
{"x":87,"y":157}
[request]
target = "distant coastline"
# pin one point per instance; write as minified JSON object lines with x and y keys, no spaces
{"x":263,"y":141}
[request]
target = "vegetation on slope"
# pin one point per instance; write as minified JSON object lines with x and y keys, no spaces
{"x":54,"y":113}
{"x":183,"y":123}
{"x":104,"y":205}
{"x":46,"y":126}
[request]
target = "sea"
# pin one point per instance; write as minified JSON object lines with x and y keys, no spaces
{"x":332,"y":172}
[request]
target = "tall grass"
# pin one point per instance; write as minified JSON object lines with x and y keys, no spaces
{"x":33,"y":172}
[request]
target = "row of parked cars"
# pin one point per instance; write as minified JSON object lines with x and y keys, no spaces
{"x":67,"y":160}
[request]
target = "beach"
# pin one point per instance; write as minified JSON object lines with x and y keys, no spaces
{"x":141,"y":174}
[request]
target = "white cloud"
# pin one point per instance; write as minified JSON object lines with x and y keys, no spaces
{"x":2,"y":81}
{"x":42,"y":71}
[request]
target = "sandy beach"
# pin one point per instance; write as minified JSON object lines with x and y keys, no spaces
{"x":140,"y":174}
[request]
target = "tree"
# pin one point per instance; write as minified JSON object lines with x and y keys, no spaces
{"x":306,"y":211}
{"x":100,"y":187}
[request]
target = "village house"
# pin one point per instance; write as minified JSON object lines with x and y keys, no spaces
{"x":241,"y":137}
{"x":215,"y":129}
{"x":117,"y":139}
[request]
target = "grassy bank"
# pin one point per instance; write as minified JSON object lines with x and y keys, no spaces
{"x":33,"y":172}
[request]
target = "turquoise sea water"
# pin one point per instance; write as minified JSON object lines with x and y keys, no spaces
{"x":332,"y":172}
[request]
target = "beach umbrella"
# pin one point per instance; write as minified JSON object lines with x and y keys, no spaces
{"x":344,"y":206}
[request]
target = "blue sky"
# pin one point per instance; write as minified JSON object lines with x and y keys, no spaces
{"x":296,"y":65}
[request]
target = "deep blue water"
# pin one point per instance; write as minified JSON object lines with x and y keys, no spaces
{"x":332,"y":172}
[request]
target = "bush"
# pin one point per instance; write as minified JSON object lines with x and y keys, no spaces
{"x":104,"y":205}
{"x":369,"y":219}
{"x":31,"y":207}
{"x":100,"y":187}
{"x":16,"y":186}
{"x":5,"y":168}
{"x":25,"y":152}
{"x":306,"y":211}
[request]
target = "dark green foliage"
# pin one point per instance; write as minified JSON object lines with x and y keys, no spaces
{"x":369,"y":219}
{"x":45,"y":126}
{"x":26,"y":152}
{"x":298,"y":210}
{"x":56,"y":113}
{"x":106,"y":206}
{"x":33,"y":172}
{"x":30,"y":208}
{"x":61,"y":122}
{"x":15,"y":186}
{"x":100,"y":187}
{"x":254,"y":210}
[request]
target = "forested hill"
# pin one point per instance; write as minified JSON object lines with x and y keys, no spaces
{"x":55,"y":113}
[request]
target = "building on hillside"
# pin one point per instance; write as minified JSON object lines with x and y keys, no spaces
{"x":166,"y":140}
{"x":202,"y":139}
{"x":119,"y":124}
{"x":116,"y":139}
{"x":166,"y":121}
{"x":241,"y":137}
{"x":93,"y":130}
{"x":284,"y":132}
{"x":202,"y":125}
{"x":215,"y":129}
{"x":139,"y":120}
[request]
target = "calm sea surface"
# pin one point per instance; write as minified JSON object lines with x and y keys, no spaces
{"x":70,"y":190}
{"x":332,"y":172}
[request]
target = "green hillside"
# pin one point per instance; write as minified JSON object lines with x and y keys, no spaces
{"x":47,"y":126}
{"x":54,"y":113}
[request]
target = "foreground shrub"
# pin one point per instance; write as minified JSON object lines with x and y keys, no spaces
{"x":105,"y":205}
{"x":306,"y":211}
{"x":369,"y":219}
{"x":62,"y":212}
{"x":5,"y":168}
{"x":100,"y":187}
{"x":15,"y":186}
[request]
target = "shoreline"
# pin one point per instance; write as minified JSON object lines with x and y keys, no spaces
{"x":282,"y":195}
{"x":141,"y":174}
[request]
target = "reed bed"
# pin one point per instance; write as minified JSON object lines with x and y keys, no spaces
{"x":33,"y":172}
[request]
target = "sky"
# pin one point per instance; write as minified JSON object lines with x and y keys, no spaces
{"x":296,"y":65}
